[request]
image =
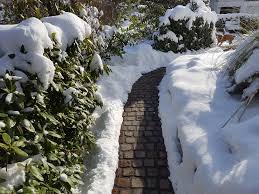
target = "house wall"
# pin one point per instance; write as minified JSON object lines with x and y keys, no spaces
{"x":251,"y":7}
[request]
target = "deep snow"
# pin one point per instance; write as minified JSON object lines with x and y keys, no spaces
{"x":203,"y":157}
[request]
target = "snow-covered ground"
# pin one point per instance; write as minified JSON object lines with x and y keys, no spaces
{"x":203,"y":157}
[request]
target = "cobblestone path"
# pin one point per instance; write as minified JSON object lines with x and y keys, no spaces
{"x":143,"y":167}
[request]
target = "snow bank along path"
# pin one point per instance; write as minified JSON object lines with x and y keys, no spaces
{"x":113,"y":90}
{"x":142,"y":156}
{"x":203,"y":157}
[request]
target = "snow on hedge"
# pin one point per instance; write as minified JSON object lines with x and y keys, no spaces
{"x":181,"y":12}
{"x":203,"y":157}
{"x":67,"y":27}
{"x":242,"y":68}
{"x":22,"y":45}
{"x":249,"y":68}
{"x":190,"y":27}
{"x":22,"y":50}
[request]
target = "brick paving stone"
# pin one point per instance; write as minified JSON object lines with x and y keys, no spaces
{"x":151,"y":183}
{"x":123,"y":182}
{"x":128,"y":172}
{"x":130,"y":140}
{"x":129,"y":154}
{"x":125,"y":147}
{"x":140,"y":154}
{"x":164,"y":184}
{"x":124,"y":163}
{"x":137,"y":191}
{"x":143,"y":167}
{"x":140,"y":172}
{"x":152,"y":172}
{"x":137,"y":163}
{"x":149,"y":163}
{"x":137,"y":182}
{"x":128,"y":133}
{"x":128,"y":191}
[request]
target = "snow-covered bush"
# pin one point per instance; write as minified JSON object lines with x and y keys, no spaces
{"x":243,"y":69}
{"x":48,"y":70}
{"x":189,"y":27}
{"x":137,"y":21}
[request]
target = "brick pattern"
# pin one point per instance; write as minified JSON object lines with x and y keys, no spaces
{"x":143,"y":165}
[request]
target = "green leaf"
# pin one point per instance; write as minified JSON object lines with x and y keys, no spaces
{"x":4,"y":190}
{"x":36,"y":173}
{"x":19,"y":151}
{"x":7,"y":139}
{"x":28,"y":125}
{"x":52,"y":157}
{"x":10,"y":123}
{"x":54,"y":190}
{"x":49,"y":117}
{"x":2,"y":180}
{"x":3,"y":115}
{"x":53,"y":134}
{"x":4,"y":146}
{"x":38,"y":137}
{"x":18,"y":143}
{"x":43,"y":190}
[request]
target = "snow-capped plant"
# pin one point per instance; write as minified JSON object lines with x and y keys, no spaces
{"x":136,"y":21}
{"x":47,"y":95}
{"x":242,"y":69}
{"x":242,"y":65}
{"x":189,"y":27}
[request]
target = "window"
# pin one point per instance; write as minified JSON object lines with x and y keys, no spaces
{"x":224,"y":10}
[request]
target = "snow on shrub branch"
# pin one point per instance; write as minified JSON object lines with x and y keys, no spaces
{"x":34,"y":36}
{"x":189,"y":13}
{"x":48,"y":70}
{"x":189,"y":27}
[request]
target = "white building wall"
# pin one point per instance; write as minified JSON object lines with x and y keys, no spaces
{"x":251,"y":7}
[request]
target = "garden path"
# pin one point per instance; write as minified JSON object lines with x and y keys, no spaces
{"x":143,"y":167}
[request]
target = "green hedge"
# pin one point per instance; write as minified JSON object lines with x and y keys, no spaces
{"x":199,"y":36}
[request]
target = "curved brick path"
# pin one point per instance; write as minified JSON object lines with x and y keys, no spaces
{"x":142,"y":155}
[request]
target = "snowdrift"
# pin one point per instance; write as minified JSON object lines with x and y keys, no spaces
{"x":203,"y":157}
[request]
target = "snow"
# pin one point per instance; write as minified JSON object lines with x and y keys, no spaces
{"x":96,"y":63}
{"x":249,"y":68}
{"x":31,"y":33}
{"x":2,"y":124}
{"x":68,"y":94}
{"x":203,"y":157}
{"x":35,"y":36}
{"x":181,"y":12}
{"x":169,"y":35}
{"x":113,"y":91}
{"x":252,"y":89}
{"x":14,"y":174}
{"x":67,"y":27}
